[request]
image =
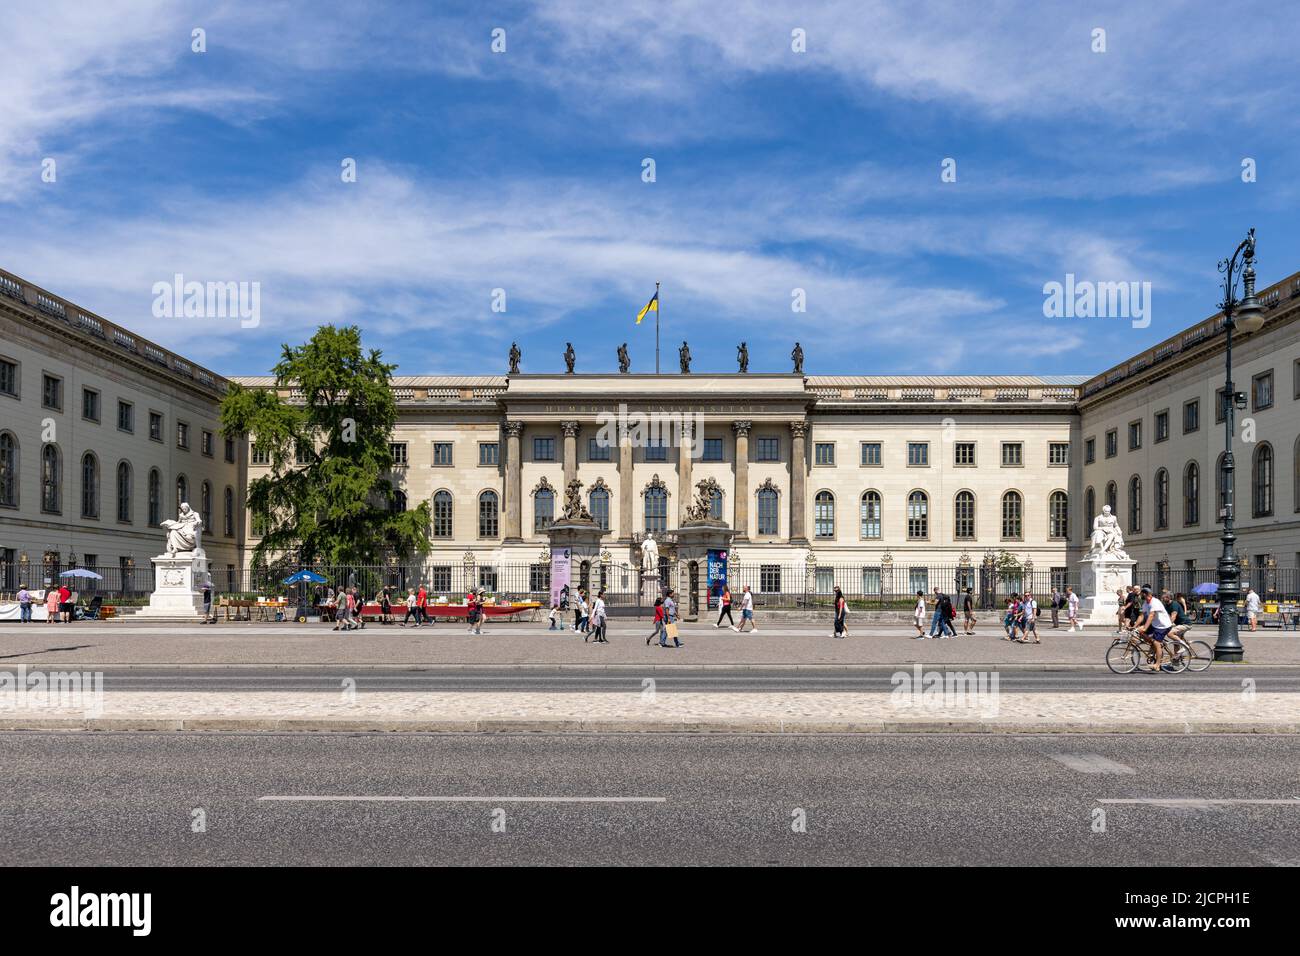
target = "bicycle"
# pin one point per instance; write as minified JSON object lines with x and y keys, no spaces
{"x":1125,"y":653}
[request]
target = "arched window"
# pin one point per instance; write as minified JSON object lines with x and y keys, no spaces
{"x":228,"y":516}
{"x":51,"y":480}
{"x":598,"y":503}
{"x":768,"y":501}
{"x":205,"y":505}
{"x":398,"y":503}
{"x":89,"y":486}
{"x":124,"y":491}
{"x":1192,"y":494}
{"x":8,"y":470}
{"x":543,"y":509}
{"x":824,"y":515}
{"x":1134,"y":505}
{"x":870,"y":514}
{"x":1089,"y":512}
{"x":155,"y":498}
{"x":1013,"y":511}
{"x":1162,"y":499}
{"x":656,"y":509}
{"x":963,"y":516}
{"x":1112,"y":497}
{"x":1261,"y":481}
{"x":442,"y":514}
{"x":182,"y":491}
{"x":715,"y":504}
{"x":1221,"y":485}
{"x":488,"y":521}
{"x":1058,"y":515}
{"x":918,"y":515}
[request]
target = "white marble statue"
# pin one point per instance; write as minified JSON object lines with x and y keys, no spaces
{"x":649,"y":555}
{"x":1107,"y":539}
{"x":183,"y":534}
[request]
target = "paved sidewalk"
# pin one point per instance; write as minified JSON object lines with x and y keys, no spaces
{"x":648,"y":712}
{"x":525,"y":644}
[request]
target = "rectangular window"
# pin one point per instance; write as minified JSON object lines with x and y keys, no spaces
{"x":1058,"y":453}
{"x":871,"y":453}
{"x":90,"y":404}
{"x":769,"y":449}
{"x":964,"y":454}
{"x":769,"y":578}
{"x":442,"y":454}
{"x":52,"y":392}
{"x":397,"y":451}
{"x":1089,"y":450}
{"x":656,"y":449}
{"x":1295,"y":376}
{"x":487,"y":578}
{"x":1112,"y":443}
{"x":260,"y":455}
{"x":125,"y":416}
{"x":824,"y":580}
{"x":440,"y":578}
{"x":489,"y":453}
{"x":205,"y":443}
{"x":767,"y":513}
{"x":871,"y":582}
{"x":1134,"y":436}
{"x":543,"y":449}
{"x":539,"y":578}
{"x":918,"y":579}
{"x":8,"y":378}
{"x":1191,"y":416}
{"x":1261,"y":390}
{"x":183,"y":435}
{"x":918,"y":454}
{"x":824,"y":453}
{"x":1221,"y":400}
{"x":155,"y":426}
{"x":230,"y":450}
{"x":1013,"y":454}
{"x":1162,"y":426}
{"x":712,"y":449}
{"x":598,"y":450}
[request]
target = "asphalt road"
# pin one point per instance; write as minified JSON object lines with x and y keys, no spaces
{"x":628,"y":678}
{"x":104,"y":798}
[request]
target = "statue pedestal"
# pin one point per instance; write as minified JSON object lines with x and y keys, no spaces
{"x":1100,"y":579}
{"x":695,"y":539}
{"x":177,"y":592}
{"x":649,"y":589}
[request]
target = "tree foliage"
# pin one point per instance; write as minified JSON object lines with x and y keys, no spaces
{"x":328,"y":495}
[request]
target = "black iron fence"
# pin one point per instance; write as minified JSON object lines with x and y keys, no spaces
{"x":773,"y":584}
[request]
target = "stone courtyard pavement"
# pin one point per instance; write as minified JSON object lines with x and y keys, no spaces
{"x":525,"y":644}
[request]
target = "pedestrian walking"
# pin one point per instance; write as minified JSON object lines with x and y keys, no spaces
{"x":1253,"y":607}
{"x":670,"y":619}
{"x":941,"y":623}
{"x":1057,"y":600}
{"x":724,"y":604}
{"x":24,"y":605}
{"x":554,"y":618}
{"x":598,"y":618}
{"x":968,"y":611}
{"x":207,"y":601}
{"x":918,"y":616}
{"x":51,"y":606}
{"x":1029,"y":619}
{"x":412,"y":609}
{"x":841,"y":607}
{"x":386,"y":605}
{"x":1072,"y":609}
{"x":65,"y":603}
{"x":1012,"y":617}
{"x":658,"y":623}
{"x":746,"y":611}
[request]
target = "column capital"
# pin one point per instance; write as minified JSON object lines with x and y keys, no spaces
{"x":799,"y":429}
{"x":514,"y":429}
{"x":570,"y":429}
{"x":741,"y":428}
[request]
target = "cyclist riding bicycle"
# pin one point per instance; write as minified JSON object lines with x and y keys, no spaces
{"x":1154,"y":625}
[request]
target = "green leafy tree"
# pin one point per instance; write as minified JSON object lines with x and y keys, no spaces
{"x":328,"y":497}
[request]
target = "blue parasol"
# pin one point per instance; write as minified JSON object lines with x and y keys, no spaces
{"x":305,"y":575}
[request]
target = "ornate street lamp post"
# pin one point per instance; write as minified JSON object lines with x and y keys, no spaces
{"x":1246,"y":316}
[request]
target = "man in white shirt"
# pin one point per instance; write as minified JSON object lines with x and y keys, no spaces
{"x":1155,"y":623}
{"x":1253,"y":607}
{"x":1072,"y":605}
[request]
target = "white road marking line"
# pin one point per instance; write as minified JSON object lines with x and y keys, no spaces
{"x":1205,"y":801}
{"x":368,"y":799}
{"x":1091,"y":763}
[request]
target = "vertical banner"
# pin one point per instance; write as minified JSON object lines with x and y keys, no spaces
{"x":717,"y":577}
{"x":560,"y":565}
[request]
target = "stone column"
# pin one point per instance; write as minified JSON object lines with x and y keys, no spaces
{"x":514,"y":484}
{"x":798,"y":483}
{"x":626,"y":490}
{"x":685,"y":493}
{"x":570,"y":430}
{"x":741,"y":492}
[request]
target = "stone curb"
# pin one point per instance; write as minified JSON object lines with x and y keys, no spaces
{"x":719,"y":726}
{"x":67,"y":665}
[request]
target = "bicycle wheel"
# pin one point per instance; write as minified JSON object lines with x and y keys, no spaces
{"x":1121,"y":658}
{"x":1179,"y":655}
{"x":1201,"y":657}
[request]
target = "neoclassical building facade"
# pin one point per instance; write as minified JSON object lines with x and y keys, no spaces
{"x":847,"y":471}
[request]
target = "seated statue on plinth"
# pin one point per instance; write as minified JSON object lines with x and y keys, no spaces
{"x":183,"y":534}
{"x":1107,"y":539}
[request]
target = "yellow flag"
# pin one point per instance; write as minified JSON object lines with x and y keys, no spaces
{"x":651,"y":306}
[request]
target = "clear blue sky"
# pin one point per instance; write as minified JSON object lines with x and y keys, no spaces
{"x":776,"y":170}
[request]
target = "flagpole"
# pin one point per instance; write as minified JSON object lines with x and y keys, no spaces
{"x":659,"y":305}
